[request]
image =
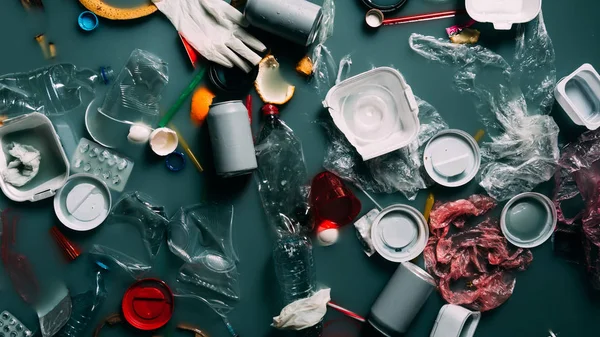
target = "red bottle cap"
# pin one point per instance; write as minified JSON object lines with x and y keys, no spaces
{"x":148,"y":304}
{"x":270,"y":109}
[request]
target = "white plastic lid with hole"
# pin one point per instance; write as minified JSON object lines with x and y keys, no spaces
{"x":503,"y":13}
{"x":376,"y":111}
{"x":579,"y":95}
{"x":83,"y":203}
{"x":452,"y":158}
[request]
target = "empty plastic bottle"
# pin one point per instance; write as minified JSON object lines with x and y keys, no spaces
{"x":52,"y":90}
{"x":294,"y":267}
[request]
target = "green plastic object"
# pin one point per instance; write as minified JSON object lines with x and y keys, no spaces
{"x":182,"y":97}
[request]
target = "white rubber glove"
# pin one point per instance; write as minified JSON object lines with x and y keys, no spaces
{"x":214,"y":29}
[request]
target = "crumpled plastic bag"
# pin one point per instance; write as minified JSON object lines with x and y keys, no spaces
{"x":472,"y":264}
{"x":24,"y":167}
{"x":116,"y":260}
{"x":324,"y":67}
{"x":400,"y":170}
{"x":514,"y":107}
{"x":579,"y":177}
{"x":304,"y":313}
{"x":201,"y":235}
{"x":138,"y":209}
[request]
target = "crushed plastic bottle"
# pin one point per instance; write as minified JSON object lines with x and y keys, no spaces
{"x":52,"y":90}
{"x":282,"y":179}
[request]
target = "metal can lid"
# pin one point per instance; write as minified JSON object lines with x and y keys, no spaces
{"x":399,"y":233}
{"x":452,"y":158}
{"x":148,"y":304}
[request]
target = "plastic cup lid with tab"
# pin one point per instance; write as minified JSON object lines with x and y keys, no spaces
{"x":452,"y":158}
{"x":399,"y":233}
{"x":148,"y":304}
{"x":83,"y":203}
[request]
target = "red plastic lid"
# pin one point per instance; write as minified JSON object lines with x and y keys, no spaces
{"x":148,"y":304}
{"x":270,"y":109}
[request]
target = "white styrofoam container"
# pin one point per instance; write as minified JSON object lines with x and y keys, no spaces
{"x":503,"y":13}
{"x":376,"y":111}
{"x":579,"y":95}
{"x":36,"y":130}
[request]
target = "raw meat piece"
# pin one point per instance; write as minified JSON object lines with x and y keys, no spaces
{"x":472,"y":264}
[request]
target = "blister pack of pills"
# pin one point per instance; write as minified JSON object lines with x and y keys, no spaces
{"x":11,"y":327}
{"x":107,"y":165}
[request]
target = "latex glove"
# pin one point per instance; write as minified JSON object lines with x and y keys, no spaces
{"x":303,"y":313}
{"x":214,"y":29}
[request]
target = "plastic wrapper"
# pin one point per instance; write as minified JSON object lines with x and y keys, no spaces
{"x":473,"y":264}
{"x":52,"y":90}
{"x":514,"y":106}
{"x":363,"y":231}
{"x":135,"y":95}
{"x":54,"y":310}
{"x":324,"y":67}
{"x":201,"y":236}
{"x":282,"y":178}
{"x":116,"y":260}
{"x":138,"y":209}
{"x":578,"y":179}
{"x":399,"y":170}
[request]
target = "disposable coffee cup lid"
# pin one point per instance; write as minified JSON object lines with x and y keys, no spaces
{"x":148,"y":304}
{"x":528,"y":219}
{"x":452,"y":158}
{"x":399,"y":233}
{"x":83,"y":202}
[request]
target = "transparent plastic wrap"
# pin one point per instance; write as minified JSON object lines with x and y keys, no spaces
{"x":396,"y":171}
{"x":524,"y":147}
{"x":53,"y":90}
{"x":201,"y":235}
{"x":115,"y":260}
{"x":324,"y":67}
{"x":282,"y":178}
{"x":136,"y":93}
{"x":578,"y":179}
{"x":138,"y":209}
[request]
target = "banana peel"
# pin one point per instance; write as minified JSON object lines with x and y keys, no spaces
{"x":102,"y":9}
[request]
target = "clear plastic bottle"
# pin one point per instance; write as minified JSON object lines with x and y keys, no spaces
{"x":294,"y":267}
{"x":52,"y":90}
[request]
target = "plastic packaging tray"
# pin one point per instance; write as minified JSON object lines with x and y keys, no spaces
{"x":503,"y":13}
{"x":579,"y":95}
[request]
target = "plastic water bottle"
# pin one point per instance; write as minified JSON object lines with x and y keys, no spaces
{"x":294,"y":267}
{"x":53,"y":90}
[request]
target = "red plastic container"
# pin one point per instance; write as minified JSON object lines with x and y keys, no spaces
{"x":148,"y":304}
{"x":332,"y":201}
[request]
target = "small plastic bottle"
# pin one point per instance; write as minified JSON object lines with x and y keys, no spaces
{"x":53,"y":90}
{"x":294,"y":267}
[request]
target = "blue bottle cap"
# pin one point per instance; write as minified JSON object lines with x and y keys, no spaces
{"x":87,"y":21}
{"x":175,"y":161}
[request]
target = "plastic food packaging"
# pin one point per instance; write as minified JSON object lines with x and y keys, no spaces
{"x":201,"y":236}
{"x":11,"y":326}
{"x":513,"y":102}
{"x":34,"y":130}
{"x":503,"y":13}
{"x":139,"y":210}
{"x":578,"y":235}
{"x":107,"y":165}
{"x":376,"y":111}
{"x":136,"y":93}
{"x":303,"y":313}
{"x":52,"y":90}
{"x":115,"y":260}
{"x":579,"y":95}
{"x":85,"y":306}
{"x":473,"y":264}
{"x":400,"y":170}
{"x":54,"y":310}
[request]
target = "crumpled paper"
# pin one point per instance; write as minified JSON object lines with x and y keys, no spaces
{"x":24,"y":167}
{"x":514,"y":103}
{"x":304,"y":313}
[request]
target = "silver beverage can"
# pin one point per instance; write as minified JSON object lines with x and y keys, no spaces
{"x":294,"y":20}
{"x":401,"y":300}
{"x":231,"y":139}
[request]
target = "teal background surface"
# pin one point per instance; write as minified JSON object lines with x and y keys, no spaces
{"x":551,"y":294}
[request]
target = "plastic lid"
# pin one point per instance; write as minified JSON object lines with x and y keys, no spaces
{"x":528,"y":220}
{"x":452,"y":158}
{"x":87,"y":21}
{"x":83,"y":202}
{"x":399,"y":233}
{"x":270,"y":109}
{"x":148,"y":304}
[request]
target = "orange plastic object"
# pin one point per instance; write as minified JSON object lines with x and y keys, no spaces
{"x":201,"y":101}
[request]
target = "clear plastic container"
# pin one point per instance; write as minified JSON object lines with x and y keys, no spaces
{"x":376,"y":111}
{"x":52,"y":90}
{"x":136,"y":93}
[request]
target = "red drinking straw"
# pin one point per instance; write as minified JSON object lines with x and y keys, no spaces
{"x":422,"y":17}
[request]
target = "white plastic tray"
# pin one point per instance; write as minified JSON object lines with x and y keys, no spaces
{"x":503,"y":13}
{"x":579,"y":95}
